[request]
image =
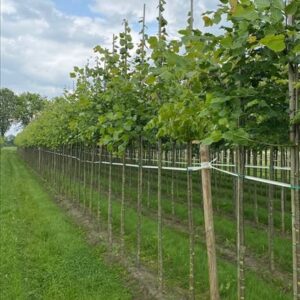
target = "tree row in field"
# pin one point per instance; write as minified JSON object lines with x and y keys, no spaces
{"x":233,"y":89}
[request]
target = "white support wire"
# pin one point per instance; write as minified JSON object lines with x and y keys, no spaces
{"x":253,"y":166}
{"x":257,"y":179}
{"x":197,"y":167}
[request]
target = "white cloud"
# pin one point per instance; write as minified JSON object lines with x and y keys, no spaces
{"x":40,"y":44}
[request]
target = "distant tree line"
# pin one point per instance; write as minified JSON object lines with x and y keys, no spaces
{"x":18,"y":108}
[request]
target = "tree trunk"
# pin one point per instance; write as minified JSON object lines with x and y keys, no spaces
{"x":293,"y":77}
{"x":172,"y":180}
{"x":92,"y":179}
{"x":283,"y":193}
{"x":240,"y":164}
{"x":139,"y":201}
{"x":191,"y":224}
{"x":255,"y":188}
{"x":99,"y":186}
{"x":271,"y":212}
{"x":159,"y":220}
{"x":109,"y":211}
{"x":122,"y":219}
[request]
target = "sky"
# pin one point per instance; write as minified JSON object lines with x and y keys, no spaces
{"x":42,"y":40}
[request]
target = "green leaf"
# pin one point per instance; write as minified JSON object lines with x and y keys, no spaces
{"x":278,"y":4}
{"x":150,"y":79}
{"x":274,"y":42}
{"x":262,"y":4}
{"x":276,"y":15}
{"x":153,"y":42}
{"x":208,"y":21}
{"x":296,"y":119}
{"x":292,"y":8}
{"x":227,"y":42}
{"x":247,"y":13}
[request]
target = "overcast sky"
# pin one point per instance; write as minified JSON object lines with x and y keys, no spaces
{"x":41,"y":40}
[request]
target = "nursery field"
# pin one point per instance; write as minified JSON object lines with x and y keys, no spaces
{"x":180,"y":152}
{"x":97,"y":190}
{"x":44,"y":255}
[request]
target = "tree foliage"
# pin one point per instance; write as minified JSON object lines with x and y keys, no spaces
{"x":231,"y":87}
{"x":8,"y":102}
{"x":28,"y":106}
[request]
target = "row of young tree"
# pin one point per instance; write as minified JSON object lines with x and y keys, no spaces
{"x":237,"y":88}
{"x":18,"y":108}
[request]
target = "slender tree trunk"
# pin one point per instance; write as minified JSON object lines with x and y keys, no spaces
{"x":255,"y":188}
{"x":240,"y":163}
{"x":139,"y":201}
{"x":122,"y":221}
{"x":282,"y":194}
{"x":109,"y":212}
{"x":172,"y":181}
{"x":191,"y":224}
{"x":79,"y":172}
{"x":148,"y":178}
{"x":84,"y":177}
{"x":271,"y":212}
{"x":293,"y":77}
{"x":40,"y":157}
{"x":92,"y":179}
{"x":99,"y":186}
{"x":209,"y":225}
{"x":159,"y":220}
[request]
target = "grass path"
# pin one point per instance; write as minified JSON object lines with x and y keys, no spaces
{"x":43,"y":254}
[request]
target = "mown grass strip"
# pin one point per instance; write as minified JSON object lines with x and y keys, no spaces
{"x":43,"y":254}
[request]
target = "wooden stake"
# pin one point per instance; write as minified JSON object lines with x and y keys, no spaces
{"x":209,"y":225}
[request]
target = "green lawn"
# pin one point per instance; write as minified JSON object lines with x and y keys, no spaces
{"x":43,"y":254}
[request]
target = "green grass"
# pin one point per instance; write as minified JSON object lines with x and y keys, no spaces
{"x":43,"y":254}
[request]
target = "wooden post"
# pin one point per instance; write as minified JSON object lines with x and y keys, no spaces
{"x":209,"y":225}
